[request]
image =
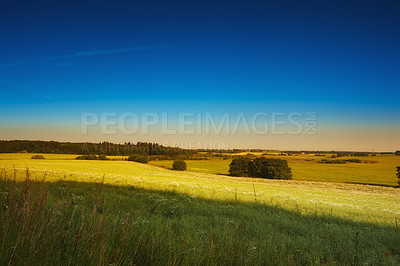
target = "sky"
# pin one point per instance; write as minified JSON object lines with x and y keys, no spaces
{"x":340,"y":60}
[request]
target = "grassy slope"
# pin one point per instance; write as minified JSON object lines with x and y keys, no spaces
{"x":354,"y":202}
{"x":85,"y":224}
{"x":188,"y":217}
{"x":305,"y":168}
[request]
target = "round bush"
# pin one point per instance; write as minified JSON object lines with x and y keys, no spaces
{"x":179,"y":165}
{"x":270,"y":168}
{"x":102,"y":157}
{"x":37,"y":157}
{"x":239,"y":167}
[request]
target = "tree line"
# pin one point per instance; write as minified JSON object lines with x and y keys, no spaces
{"x":86,"y":148}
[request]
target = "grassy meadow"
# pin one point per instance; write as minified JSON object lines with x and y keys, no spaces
{"x":306,"y":167}
{"x":121,"y":212}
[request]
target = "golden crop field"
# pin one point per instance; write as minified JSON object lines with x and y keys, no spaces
{"x":304,"y":167}
{"x":351,"y":201}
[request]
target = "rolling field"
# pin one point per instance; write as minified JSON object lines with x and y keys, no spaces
{"x":121,"y":212}
{"x":350,"y":201}
{"x":383,"y":172}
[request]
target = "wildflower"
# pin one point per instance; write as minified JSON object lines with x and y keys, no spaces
{"x":386,"y":255}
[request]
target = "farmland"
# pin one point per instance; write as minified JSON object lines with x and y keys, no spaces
{"x":170,"y":217}
{"x":304,"y":167}
{"x":375,"y":204}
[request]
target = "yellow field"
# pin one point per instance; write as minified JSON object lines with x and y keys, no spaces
{"x":356,"y":202}
{"x":305,"y":167}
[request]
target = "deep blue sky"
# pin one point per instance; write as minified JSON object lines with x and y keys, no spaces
{"x":284,"y":53}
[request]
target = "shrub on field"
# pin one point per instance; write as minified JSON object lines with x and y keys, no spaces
{"x":139,"y":158}
{"x":91,"y":157}
{"x":37,"y":157}
{"x":86,"y":157}
{"x":270,"y":168}
{"x":239,"y":167}
{"x":398,"y":174}
{"x":354,"y":160}
{"x":397,"y":153}
{"x":102,"y":157}
{"x":340,"y":161}
{"x":179,"y":165}
{"x":333,"y":161}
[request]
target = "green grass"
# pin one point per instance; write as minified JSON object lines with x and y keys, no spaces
{"x":146,"y":214}
{"x":355,"y":202}
{"x":383,"y":172}
{"x":74,"y":223}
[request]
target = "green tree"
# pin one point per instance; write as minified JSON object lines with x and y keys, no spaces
{"x":239,"y":166}
{"x":270,"y":168}
{"x":179,"y":165}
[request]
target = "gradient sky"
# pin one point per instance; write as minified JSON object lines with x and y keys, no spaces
{"x":340,"y":59}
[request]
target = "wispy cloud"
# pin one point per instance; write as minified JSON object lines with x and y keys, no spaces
{"x":106,"y":52}
{"x":62,"y":64}
{"x":83,"y":54}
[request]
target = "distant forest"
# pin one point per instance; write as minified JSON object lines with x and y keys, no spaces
{"x":154,"y":150}
{"x":85,"y":148}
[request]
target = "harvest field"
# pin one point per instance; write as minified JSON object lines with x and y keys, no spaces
{"x":145,"y":214}
{"x":305,"y":167}
{"x":356,"y":202}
